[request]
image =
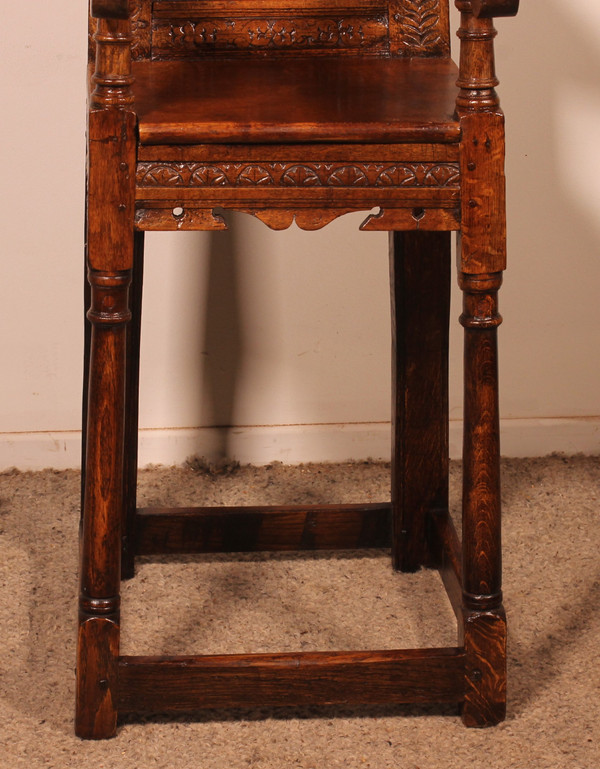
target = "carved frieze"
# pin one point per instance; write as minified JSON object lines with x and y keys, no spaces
{"x":290,"y":33}
{"x":174,"y":174}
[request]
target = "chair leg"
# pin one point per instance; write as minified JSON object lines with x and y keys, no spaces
{"x":484,"y":622}
{"x":98,"y":639}
{"x":420,"y":288}
{"x":130,"y":460}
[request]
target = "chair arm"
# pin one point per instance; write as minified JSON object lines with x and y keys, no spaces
{"x":110,"y":9}
{"x":486,"y":9}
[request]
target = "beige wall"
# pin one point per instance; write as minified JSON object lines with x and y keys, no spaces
{"x":285,"y":336}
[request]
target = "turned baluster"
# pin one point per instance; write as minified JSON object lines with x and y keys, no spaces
{"x":481,"y":477}
{"x":112,"y":77}
{"x":103,"y":493}
{"x":111,"y":172}
{"x":482,"y":258}
{"x":477,"y":77}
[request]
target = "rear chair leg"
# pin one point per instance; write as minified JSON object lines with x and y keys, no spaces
{"x":420,"y":288}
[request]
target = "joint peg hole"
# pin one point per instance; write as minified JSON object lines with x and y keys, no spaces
{"x":178,"y":212}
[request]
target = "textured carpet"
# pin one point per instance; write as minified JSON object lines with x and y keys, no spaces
{"x":293,"y":602}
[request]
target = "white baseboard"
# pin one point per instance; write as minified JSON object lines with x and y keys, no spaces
{"x":293,"y":444}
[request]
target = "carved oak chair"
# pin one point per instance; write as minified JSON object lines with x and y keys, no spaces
{"x":300,"y":114}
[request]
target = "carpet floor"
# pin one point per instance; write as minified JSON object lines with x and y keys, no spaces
{"x":290,"y":602}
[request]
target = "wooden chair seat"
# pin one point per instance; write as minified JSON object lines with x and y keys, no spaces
{"x":307,"y":99}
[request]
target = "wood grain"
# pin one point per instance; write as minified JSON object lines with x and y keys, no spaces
{"x":446,"y":556}
{"x":149,"y":684}
{"x":420,"y":284}
{"x":378,"y":100}
{"x":249,"y":529}
{"x":484,"y":623}
{"x":485,"y":668}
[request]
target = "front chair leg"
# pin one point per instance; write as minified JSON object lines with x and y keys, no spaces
{"x":98,"y":639}
{"x":484,"y":623}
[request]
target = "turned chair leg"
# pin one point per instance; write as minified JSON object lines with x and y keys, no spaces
{"x":98,"y":640}
{"x":484,"y":622}
{"x":420,"y":288}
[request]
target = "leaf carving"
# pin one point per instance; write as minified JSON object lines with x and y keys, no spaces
{"x":176,"y":174}
{"x":442,"y":175}
{"x":300,"y":176}
{"x":167,"y":175}
{"x":397,"y":176}
{"x":419,"y":21}
{"x":348,"y":176}
{"x":254,"y":175}
{"x":208,"y":176}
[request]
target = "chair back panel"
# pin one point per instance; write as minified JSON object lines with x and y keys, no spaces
{"x":194,"y":29}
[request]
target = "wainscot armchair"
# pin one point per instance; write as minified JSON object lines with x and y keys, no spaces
{"x":300,"y":113}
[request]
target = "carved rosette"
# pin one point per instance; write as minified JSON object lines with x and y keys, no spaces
{"x":174,"y":174}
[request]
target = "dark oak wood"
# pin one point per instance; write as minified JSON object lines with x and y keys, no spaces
{"x":132,"y":381}
{"x":420,"y":283}
{"x":299,"y":114}
{"x":149,"y":684}
{"x":100,"y":572}
{"x":249,"y":529}
{"x":481,"y":261}
{"x":446,"y":555}
{"x":484,"y":620}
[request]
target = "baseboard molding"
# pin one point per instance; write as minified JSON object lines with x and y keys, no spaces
{"x":294,"y":443}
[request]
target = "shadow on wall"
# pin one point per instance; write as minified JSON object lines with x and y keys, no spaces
{"x":265,"y":328}
{"x":191,"y":334}
{"x":222,"y":346}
